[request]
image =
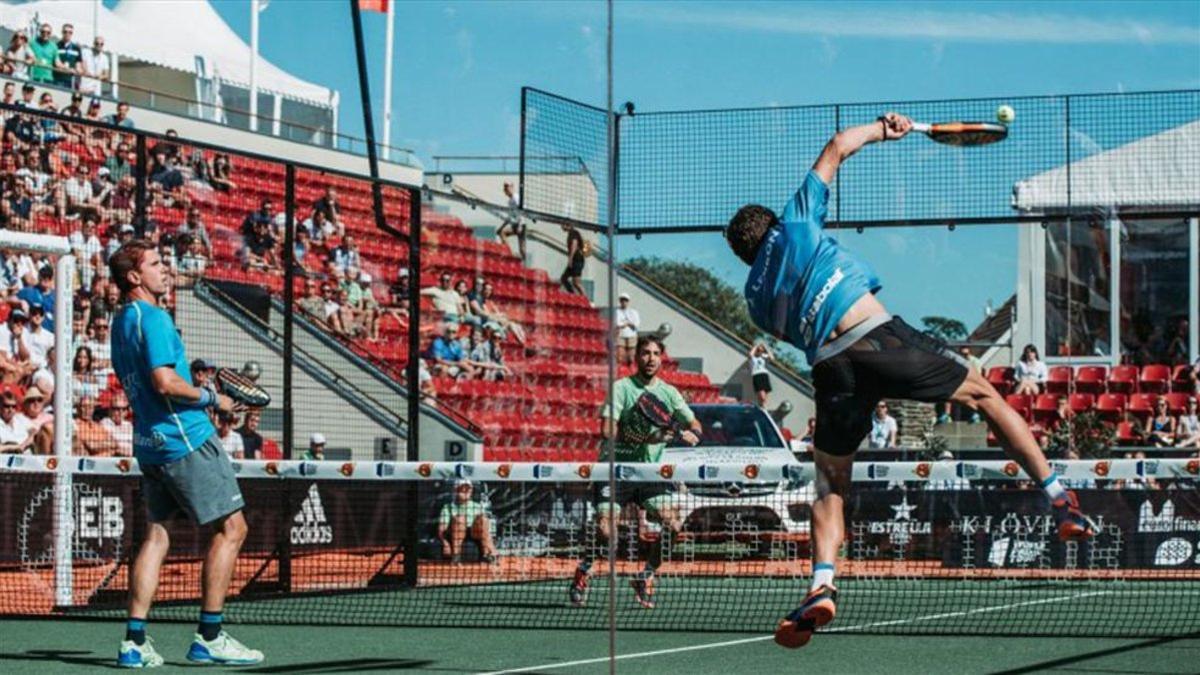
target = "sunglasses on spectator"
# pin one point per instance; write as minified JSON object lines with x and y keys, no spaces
{"x":120,"y":407}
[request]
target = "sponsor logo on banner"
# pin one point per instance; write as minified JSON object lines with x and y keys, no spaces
{"x":543,"y":470}
{"x":667,"y":471}
{"x":1174,"y":551}
{"x":1006,"y":552}
{"x":99,"y":524}
{"x":504,"y":470}
{"x":584,"y":471}
{"x":1193,"y":467}
{"x":307,"y":469}
{"x":84,"y":464}
{"x":624,"y":472}
{"x":1011,"y":469}
{"x":922,"y":470}
{"x":793,"y":473}
{"x":271,"y":468}
{"x":52,"y":463}
{"x":1059,"y":468}
{"x":15,"y":461}
{"x":965,"y":470}
{"x":1165,"y":520}
{"x":902,"y":526}
{"x":1147,"y":467}
{"x":123,"y":465}
{"x":1101,"y":468}
{"x":384,"y":469}
{"x":347,"y":469}
{"x":751,"y":471}
{"x":310,"y":524}
{"x":237,"y":467}
{"x":423,"y":470}
{"x":708,"y":471}
{"x":464,"y":470}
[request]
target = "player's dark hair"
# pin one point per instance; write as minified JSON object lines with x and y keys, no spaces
{"x":649,"y":338}
{"x":747,"y":229}
{"x":127,"y":259}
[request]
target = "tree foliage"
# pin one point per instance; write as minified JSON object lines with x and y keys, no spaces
{"x":944,"y":328}
{"x":713,"y":298}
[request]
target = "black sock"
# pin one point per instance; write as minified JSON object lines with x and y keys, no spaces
{"x":135,"y":630}
{"x":210,"y":625}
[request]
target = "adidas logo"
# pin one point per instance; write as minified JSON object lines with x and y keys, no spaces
{"x":312,"y":527}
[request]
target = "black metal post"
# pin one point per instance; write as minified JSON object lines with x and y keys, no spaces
{"x":521,"y":157}
{"x":139,"y":196}
{"x":289,"y":303}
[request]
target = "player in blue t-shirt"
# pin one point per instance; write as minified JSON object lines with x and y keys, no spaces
{"x":185,"y":471}
{"x":805,"y":288}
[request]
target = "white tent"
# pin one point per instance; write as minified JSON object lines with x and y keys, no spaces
{"x":169,"y":34}
{"x":1161,"y":171}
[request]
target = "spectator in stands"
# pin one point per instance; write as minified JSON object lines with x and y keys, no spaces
{"x":45,"y":55}
{"x":1160,"y":427}
{"x":252,"y":441}
{"x":425,"y":382}
{"x":312,"y":302}
{"x":166,"y":251}
{"x":329,"y":206}
{"x":975,"y":364}
{"x":346,"y":255}
{"x":231,"y":440}
{"x":445,"y":299}
{"x":368,"y":307}
{"x":74,"y":108}
{"x":332,"y":308}
{"x":17,"y":208}
{"x":628,"y":322}
{"x":18,"y":57}
{"x":488,"y":355}
{"x":1030,"y":373}
{"x":124,"y":233}
{"x":573,"y":274}
{"x":118,"y":425}
{"x":492,"y":313}
{"x":463,"y":515}
{"x":27,"y":91}
{"x":33,"y":408}
{"x":464,"y":308}
{"x":71,"y":56}
{"x":194,"y":260}
{"x":166,"y":178}
{"x":398,"y":292}
{"x":760,"y":377}
{"x":220,"y":173}
{"x":1187,"y":427}
{"x":91,"y":438}
{"x":512,"y":225}
{"x":301,"y":243}
{"x":15,"y":361}
{"x":16,"y":431}
{"x":258,"y":250}
{"x":41,"y":295}
{"x":318,"y":227}
{"x":89,"y":252}
{"x":85,"y":379}
{"x":883,"y":428}
{"x":447,"y":355}
{"x":79,"y":197}
{"x":38,"y":338}
{"x":9,"y":96}
{"x":316,"y":448}
{"x":193,"y":226}
{"x":349,"y":319}
{"x":120,"y":164}
{"x":121,"y":117}
{"x":52,"y":131}
{"x":1177,"y":348}
{"x":96,"y":68}
{"x":204,"y":374}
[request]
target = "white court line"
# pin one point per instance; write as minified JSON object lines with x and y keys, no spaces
{"x":730,"y":643}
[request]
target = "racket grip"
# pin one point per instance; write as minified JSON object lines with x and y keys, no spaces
{"x":923,"y":127}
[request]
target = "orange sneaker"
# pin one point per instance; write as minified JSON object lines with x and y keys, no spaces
{"x":818,"y":609}
{"x":1073,"y":525}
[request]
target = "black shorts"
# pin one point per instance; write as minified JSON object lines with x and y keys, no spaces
{"x":653,"y":497}
{"x":575,"y":266}
{"x":762,"y":382}
{"x":893,"y":360}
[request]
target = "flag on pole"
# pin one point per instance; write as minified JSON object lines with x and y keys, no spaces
{"x":373,"y":5}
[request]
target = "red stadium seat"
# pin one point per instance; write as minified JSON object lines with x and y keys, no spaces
{"x":1111,"y":406}
{"x":1059,"y":380}
{"x":1082,"y":402}
{"x":1022,"y":403}
{"x":1177,"y":402}
{"x":1155,"y":378}
{"x":1181,"y":379}
{"x":1141,"y":406}
{"x":1123,"y":380}
{"x":1125,"y":434}
{"x":1045,"y":410}
{"x":1001,"y":378}
{"x":1091,"y":380}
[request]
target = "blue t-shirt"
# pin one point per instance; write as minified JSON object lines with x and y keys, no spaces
{"x":34,"y":296}
{"x":143,"y":339}
{"x":803,"y":282}
{"x":446,"y":350}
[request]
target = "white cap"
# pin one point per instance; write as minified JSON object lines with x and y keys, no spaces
{"x":127,"y":227}
{"x":403,"y":271}
{"x":623,"y":296}
{"x":364,"y":278}
{"x":316,"y":439}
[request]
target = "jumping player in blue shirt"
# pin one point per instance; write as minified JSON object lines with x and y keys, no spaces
{"x":185,"y":471}
{"x":805,"y":288}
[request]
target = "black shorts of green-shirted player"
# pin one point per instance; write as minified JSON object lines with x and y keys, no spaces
{"x":185,"y":472}
{"x":804,"y":287}
{"x":635,"y":438}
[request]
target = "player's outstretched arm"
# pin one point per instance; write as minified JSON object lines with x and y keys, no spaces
{"x":890,"y":127}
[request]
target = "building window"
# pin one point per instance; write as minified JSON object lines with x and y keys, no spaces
{"x":1078,"y":288}
{"x":1154,"y":291}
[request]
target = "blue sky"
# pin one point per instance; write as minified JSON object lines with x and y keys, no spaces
{"x":459,"y":67}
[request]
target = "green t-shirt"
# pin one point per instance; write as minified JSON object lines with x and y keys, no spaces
{"x":469,"y":512}
{"x":44,"y":56}
{"x":630,"y":422}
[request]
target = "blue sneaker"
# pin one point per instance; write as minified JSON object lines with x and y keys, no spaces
{"x":223,"y":650}
{"x":818,"y":609}
{"x":133,"y":655}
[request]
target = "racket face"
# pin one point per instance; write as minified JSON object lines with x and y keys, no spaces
{"x":241,"y":389}
{"x":968,"y":133}
{"x":654,"y":410}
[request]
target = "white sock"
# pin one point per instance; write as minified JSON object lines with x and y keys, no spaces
{"x":1054,"y":488}
{"x":822,"y":576}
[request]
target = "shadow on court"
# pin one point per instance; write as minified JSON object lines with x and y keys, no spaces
{"x":68,"y":657}
{"x":345,"y":666}
{"x":1066,"y":661}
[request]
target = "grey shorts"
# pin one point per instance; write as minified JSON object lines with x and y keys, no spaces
{"x":201,"y":485}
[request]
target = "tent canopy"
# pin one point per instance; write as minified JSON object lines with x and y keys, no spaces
{"x":1158,"y":171}
{"x":171,"y":35}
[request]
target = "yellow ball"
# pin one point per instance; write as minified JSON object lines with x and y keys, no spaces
{"x":1005,"y":114}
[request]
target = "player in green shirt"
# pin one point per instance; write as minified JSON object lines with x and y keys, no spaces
{"x":45,"y":55}
{"x":460,"y":516}
{"x":636,"y":439}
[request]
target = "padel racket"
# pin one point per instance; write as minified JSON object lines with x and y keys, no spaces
{"x":655,"y":418}
{"x":242,"y":389}
{"x":963,"y":133}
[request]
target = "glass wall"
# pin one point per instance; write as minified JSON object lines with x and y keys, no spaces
{"x":1078,"y":288}
{"x":1154,"y":291}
